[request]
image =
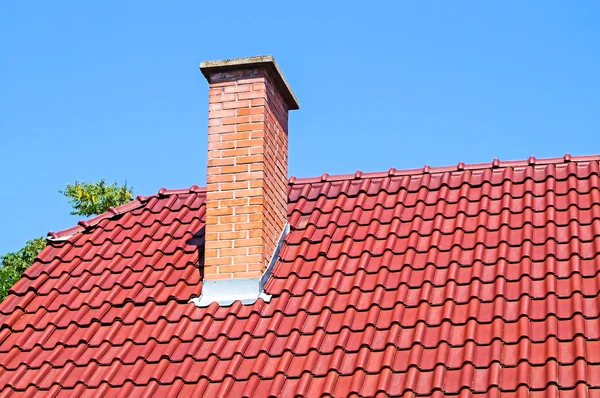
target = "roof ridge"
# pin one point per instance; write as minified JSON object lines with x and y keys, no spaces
{"x":494,"y":164}
{"x":140,"y":200}
{"x":112,"y":212}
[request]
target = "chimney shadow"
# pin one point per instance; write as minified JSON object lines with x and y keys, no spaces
{"x":198,"y":240}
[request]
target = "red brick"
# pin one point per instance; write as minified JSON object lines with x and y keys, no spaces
{"x":234,"y":169}
{"x":257,"y":142}
{"x":219,"y":227}
{"x":215,"y":170}
{"x":256,"y":249}
{"x":233,"y":269}
{"x":249,"y":274}
{"x":211,"y":237}
{"x":222,"y":113}
{"x":221,"y":178}
{"x":213,"y":269}
{"x":221,"y":162}
{"x":215,"y":252}
{"x":212,"y":220}
{"x":248,"y":242}
{"x":222,"y":244}
{"x":254,"y":258}
{"x":251,"y":95}
{"x":256,"y":267}
{"x":223,"y":211}
{"x":250,"y":126}
{"x":249,"y":111}
{"x":236,"y":136}
{"x":234,"y":202}
{"x":215,"y":122}
{"x":235,"y":152}
{"x":238,"y":89}
{"x":251,"y":80}
{"x":221,"y":145}
{"x":237,"y":104}
{"x":221,"y":98}
{"x":256,"y":118}
{"x":233,"y":219}
{"x":217,"y":261}
{"x":241,"y":251}
{"x":248,"y":192}
{"x":217,"y":131}
{"x":249,"y":159}
{"x":255,"y":233}
{"x":233,"y":235}
{"x":236,"y":120}
{"x":249,"y":209}
{"x":248,"y":176}
{"x":257,"y":167}
{"x":235,"y":186}
{"x":258,"y":200}
{"x":220,"y":195}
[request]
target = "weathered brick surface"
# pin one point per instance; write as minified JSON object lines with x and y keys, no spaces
{"x":247,"y":173}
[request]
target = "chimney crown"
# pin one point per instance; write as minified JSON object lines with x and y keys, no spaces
{"x":210,"y":68}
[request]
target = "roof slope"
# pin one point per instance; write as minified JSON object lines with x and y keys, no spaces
{"x":476,"y":279}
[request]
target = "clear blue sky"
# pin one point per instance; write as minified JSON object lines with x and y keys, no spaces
{"x":112,"y":89}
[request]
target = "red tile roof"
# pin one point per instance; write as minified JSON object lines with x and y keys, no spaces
{"x":476,"y":279}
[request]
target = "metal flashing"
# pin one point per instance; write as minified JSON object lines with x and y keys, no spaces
{"x":246,"y":290}
{"x":59,"y":238}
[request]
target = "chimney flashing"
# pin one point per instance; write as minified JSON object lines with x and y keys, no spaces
{"x":209,"y":68}
{"x":246,"y":290}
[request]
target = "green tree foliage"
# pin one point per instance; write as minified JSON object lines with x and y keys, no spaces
{"x":87,"y":199}
{"x":13,"y":264}
{"x":94,"y":198}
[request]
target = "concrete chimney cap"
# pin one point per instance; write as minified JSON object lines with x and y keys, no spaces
{"x":267,"y":61}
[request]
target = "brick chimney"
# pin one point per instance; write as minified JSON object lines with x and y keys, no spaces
{"x":247,"y":171}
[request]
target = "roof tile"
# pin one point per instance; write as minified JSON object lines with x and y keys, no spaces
{"x":471,"y":280}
